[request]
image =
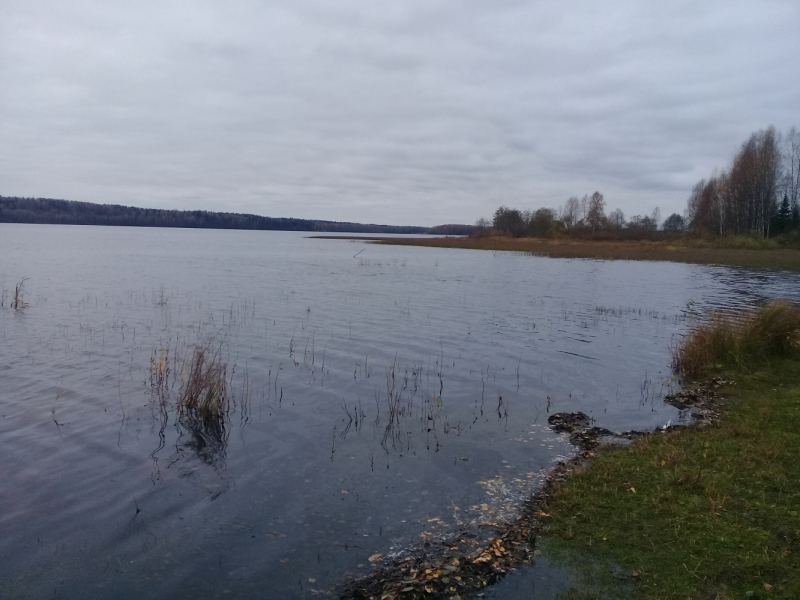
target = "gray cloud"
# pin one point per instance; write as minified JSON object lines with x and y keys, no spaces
{"x":418,"y":112}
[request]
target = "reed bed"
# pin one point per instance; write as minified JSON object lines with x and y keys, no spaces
{"x":751,"y":256}
{"x":204,"y":390}
{"x":741,"y":340}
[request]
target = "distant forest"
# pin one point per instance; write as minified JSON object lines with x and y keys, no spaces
{"x":68,"y":212}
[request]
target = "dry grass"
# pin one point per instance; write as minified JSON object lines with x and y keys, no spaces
{"x":741,"y":340}
{"x":204,"y":391}
{"x":735,"y":253}
{"x":16,"y":300}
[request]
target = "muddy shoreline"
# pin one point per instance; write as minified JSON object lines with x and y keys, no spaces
{"x":462,"y":564}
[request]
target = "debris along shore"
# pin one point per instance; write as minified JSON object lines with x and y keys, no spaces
{"x":464,"y":562}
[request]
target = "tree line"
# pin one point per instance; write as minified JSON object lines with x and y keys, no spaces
{"x":69,"y":212}
{"x":580,"y":217}
{"x":757,"y":194}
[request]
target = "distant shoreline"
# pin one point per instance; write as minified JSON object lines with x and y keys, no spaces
{"x":48,"y":211}
{"x":786,"y":259}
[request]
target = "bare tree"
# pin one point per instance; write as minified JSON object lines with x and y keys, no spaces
{"x":791,"y":168}
{"x":570,"y":213}
{"x":584,"y":212}
{"x":482,"y":227}
{"x":596,"y":215}
{"x":742,"y":200}
{"x":617,"y":218}
{"x":656,"y":216}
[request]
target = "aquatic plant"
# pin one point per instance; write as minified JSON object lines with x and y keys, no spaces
{"x":16,"y":300}
{"x":741,"y":340}
{"x":204,"y":390}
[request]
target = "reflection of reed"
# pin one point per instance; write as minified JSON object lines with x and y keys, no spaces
{"x":207,"y":437}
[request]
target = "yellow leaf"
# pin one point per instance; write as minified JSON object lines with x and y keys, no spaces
{"x":375,"y":557}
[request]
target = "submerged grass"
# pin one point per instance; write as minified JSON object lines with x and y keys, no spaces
{"x":734,"y":252}
{"x":699,"y":512}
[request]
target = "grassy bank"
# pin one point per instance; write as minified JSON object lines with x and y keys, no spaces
{"x":705,"y":511}
{"x":742,"y":252}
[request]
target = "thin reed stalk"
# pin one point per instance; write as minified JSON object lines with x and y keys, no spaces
{"x":16,"y":300}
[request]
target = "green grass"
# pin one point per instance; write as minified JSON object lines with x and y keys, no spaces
{"x":704,"y":512}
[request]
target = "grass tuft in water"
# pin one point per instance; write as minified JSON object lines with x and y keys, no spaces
{"x":204,"y":390}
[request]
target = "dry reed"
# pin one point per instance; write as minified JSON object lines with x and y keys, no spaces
{"x":741,"y":340}
{"x":16,"y":300}
{"x":204,"y":390}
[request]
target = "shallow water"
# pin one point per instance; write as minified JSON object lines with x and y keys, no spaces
{"x":108,"y":491}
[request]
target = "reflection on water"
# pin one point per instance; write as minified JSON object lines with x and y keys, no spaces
{"x":371,"y":403}
{"x":207,"y":437}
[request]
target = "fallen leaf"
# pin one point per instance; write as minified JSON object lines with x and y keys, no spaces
{"x":345,"y":492}
{"x":484,"y":506}
{"x":768,"y":587}
{"x":375,"y":557}
{"x":311,"y":580}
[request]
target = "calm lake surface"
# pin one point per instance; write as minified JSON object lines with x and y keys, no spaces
{"x":107,"y":490}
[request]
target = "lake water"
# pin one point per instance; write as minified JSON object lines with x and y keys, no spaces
{"x":379,"y":397}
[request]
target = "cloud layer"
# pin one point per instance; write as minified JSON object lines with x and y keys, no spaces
{"x":416,"y":112}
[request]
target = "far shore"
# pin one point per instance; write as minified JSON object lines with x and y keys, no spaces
{"x":701,"y":252}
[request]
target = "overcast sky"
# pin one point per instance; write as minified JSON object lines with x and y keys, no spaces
{"x":409,"y":112}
